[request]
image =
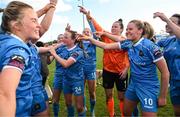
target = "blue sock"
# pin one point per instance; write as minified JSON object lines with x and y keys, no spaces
{"x":92,"y":105}
{"x":82,"y":114}
{"x":55,"y":109}
{"x":135,"y":112}
{"x":70,"y":110}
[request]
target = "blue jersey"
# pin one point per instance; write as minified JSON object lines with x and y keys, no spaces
{"x":171,"y":49}
{"x":38,"y":91}
{"x":89,"y":64}
{"x":16,"y":53}
{"x":60,"y":70}
{"x":142,"y":56}
{"x":90,"y":50}
{"x":63,"y":53}
{"x":37,"y":78}
{"x":75,"y":71}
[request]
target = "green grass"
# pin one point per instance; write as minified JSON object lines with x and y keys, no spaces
{"x":100,"y":107}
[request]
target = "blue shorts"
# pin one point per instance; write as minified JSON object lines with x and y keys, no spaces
{"x":58,"y":81}
{"x":90,"y":75}
{"x":23,"y":105}
{"x":175,"y":92}
{"x":89,"y":72}
{"x":148,"y":96}
{"x":76,"y":88}
{"x":39,"y":102}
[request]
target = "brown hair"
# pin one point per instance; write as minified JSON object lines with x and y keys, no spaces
{"x":12,"y":12}
{"x":120,"y":21}
{"x":80,"y":43}
{"x":148,"y":30}
{"x":178,"y":17}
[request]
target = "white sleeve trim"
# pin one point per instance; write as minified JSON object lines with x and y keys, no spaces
{"x":119,"y":45}
{"x":8,"y":66}
{"x":158,"y":59}
{"x":73,"y":59}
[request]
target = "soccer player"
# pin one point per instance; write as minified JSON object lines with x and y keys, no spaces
{"x":19,"y":26}
{"x":89,"y":69}
{"x":115,"y":65}
{"x":40,"y":99}
{"x":73,"y":81}
{"x":144,"y":56}
{"x":58,"y":76}
{"x":171,"y":50}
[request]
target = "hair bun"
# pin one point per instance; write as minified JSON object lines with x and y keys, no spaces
{"x":120,"y":20}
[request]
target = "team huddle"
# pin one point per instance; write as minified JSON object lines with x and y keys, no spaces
{"x":22,"y":88}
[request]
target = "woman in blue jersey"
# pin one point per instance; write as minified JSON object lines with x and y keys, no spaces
{"x":40,"y":105}
{"x":144,"y":56}
{"x":73,"y":81}
{"x":89,"y":69}
{"x":171,"y":48}
{"x":19,"y":25}
{"x":58,"y":77}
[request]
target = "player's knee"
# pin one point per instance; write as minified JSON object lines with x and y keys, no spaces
{"x":80,"y":108}
{"x":92,"y":95}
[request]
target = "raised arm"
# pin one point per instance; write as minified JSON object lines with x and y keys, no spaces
{"x":90,"y":18}
{"x":162,"y":66}
{"x":65,"y":63}
{"x":44,"y":10}
{"x":116,"y":38}
{"x":46,"y":49}
{"x":99,"y":43}
{"x":46,"y":21}
{"x":85,"y":12}
{"x":175,"y":28}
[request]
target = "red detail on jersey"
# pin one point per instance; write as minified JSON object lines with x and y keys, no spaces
{"x":17,"y":61}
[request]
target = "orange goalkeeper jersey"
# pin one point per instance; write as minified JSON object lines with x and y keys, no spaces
{"x":113,"y":60}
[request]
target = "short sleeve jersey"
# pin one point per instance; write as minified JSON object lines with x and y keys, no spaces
{"x":90,"y":49}
{"x":143,"y":55}
{"x":37,"y":78}
{"x":16,"y":54}
{"x":75,"y":71}
{"x":171,"y":51}
{"x":63,"y":53}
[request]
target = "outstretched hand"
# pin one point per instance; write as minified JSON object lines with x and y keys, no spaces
{"x":80,"y":37}
{"x":48,"y":6}
{"x":161,"y":16}
{"x":82,"y":10}
{"x":85,"y":12}
{"x":52,"y":50}
{"x":68,"y":27}
{"x":53,"y":1}
{"x":99,"y":33}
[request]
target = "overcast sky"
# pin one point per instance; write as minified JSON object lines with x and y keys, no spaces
{"x":104,"y":11}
